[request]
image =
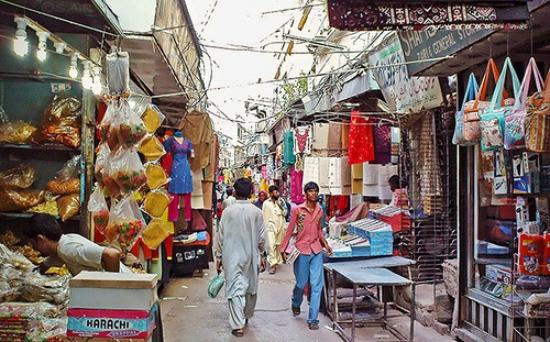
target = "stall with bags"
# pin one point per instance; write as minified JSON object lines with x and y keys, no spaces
{"x":506,"y":280}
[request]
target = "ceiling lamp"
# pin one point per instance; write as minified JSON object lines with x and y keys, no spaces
{"x":59,"y":47}
{"x":96,"y":85}
{"x":42,"y":39}
{"x":73,"y":68}
{"x":20,"y":45}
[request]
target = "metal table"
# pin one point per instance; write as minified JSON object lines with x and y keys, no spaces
{"x":368,"y":273}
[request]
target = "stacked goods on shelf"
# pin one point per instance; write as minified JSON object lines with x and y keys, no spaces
{"x":398,"y":219}
{"x":378,"y":234}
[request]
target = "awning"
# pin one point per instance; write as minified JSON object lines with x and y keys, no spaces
{"x":365,"y":15}
{"x":148,"y":65}
{"x":471,"y":47}
{"x":356,"y":86}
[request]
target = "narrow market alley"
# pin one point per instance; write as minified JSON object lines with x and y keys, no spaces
{"x":187,"y":310}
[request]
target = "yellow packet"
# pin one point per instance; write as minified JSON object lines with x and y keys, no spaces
{"x":151,"y":148}
{"x":156,"y":202}
{"x":156,"y":176}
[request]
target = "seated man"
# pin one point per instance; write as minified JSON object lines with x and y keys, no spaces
{"x":74,"y":250}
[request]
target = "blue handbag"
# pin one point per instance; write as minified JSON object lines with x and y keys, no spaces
{"x":470,"y":94}
{"x":492,"y":121}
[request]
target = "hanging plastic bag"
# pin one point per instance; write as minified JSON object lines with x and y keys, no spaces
{"x":151,"y":148}
{"x":127,"y":170}
{"x":110,"y":185}
{"x":156,"y":176}
{"x":68,"y":206}
{"x":125,"y":223}
{"x":113,"y":135}
{"x":101,"y":161}
{"x":156,"y":202}
{"x":61,"y":123}
{"x":131,"y":127}
{"x":514,"y":123}
{"x":97,"y":206}
{"x":118,"y":72}
{"x":67,"y":180}
{"x":152,"y":118}
{"x":492,"y":121}
{"x":20,"y":177}
{"x":106,"y":123}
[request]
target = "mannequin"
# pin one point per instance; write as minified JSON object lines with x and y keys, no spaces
{"x":181,"y":182}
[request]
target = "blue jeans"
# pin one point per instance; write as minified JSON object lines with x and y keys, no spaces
{"x":309,"y":268}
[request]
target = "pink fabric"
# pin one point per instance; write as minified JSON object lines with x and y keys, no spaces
{"x":173,"y":208}
{"x":308,"y":239}
{"x":296,"y":180}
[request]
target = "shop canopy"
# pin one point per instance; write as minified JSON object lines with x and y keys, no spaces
{"x":365,"y":15}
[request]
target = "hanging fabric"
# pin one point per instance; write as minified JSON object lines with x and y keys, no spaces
{"x":320,"y":139}
{"x":361,"y":140}
{"x":382,"y":144}
{"x":302,"y":140}
{"x":289,"y":158}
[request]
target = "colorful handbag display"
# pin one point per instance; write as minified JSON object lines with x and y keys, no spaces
{"x":470,"y":94}
{"x":537,"y":121}
{"x":514,"y":123}
{"x":492,"y":121}
{"x":473,"y":109}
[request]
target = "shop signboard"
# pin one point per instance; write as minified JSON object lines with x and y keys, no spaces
{"x":432,"y":42}
{"x":401,"y":92}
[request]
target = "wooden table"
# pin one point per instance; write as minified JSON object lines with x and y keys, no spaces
{"x":370,"y":272}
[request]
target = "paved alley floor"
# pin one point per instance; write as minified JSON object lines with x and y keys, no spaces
{"x":190,"y":315}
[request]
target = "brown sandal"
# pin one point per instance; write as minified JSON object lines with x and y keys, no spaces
{"x":238,"y":332}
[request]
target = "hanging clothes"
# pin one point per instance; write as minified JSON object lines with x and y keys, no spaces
{"x":339,"y":177}
{"x":382,"y":144}
{"x":320,"y":138}
{"x":334,"y":139}
{"x":289,"y":158}
{"x":180,"y":174}
{"x":344,"y":137}
{"x":357,"y":178}
{"x":302,"y":140}
{"x":296,"y":183}
{"x":361,"y":139}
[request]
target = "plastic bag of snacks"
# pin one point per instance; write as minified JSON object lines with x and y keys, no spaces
{"x":152,"y":118}
{"x":118,"y":72}
{"x":156,"y":176}
{"x":108,"y":131}
{"x":125,"y":222}
{"x":39,"y":288}
{"x":110,"y":185}
{"x":127,"y":170}
{"x":67,"y":180}
{"x":20,"y":199}
{"x":20,"y":177}
{"x":131,"y":128}
{"x":97,"y":205}
{"x":156,"y":202}
{"x":68,"y":206}
{"x":47,"y":207}
{"x":113,"y":135}
{"x":101,"y":161}
{"x":61,"y":123}
{"x":151,"y":148}
{"x":18,"y":132}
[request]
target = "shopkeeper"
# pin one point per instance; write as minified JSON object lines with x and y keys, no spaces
{"x":73,"y":250}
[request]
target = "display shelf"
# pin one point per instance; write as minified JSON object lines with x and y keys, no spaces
{"x":41,"y":147}
{"x":25,"y":215}
{"x":492,"y":261}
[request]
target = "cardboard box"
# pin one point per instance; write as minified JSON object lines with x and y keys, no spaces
{"x":114,"y":324}
{"x":113,"y":291}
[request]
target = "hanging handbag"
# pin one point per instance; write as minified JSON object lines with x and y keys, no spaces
{"x":470,"y":94}
{"x":473,"y":109}
{"x":514,"y":123}
{"x":537,"y":121}
{"x":492,"y":121}
{"x":215,"y":285}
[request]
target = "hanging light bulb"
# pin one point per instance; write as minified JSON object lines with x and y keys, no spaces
{"x":86,"y":77}
{"x":59,"y":47}
{"x":20,"y":44}
{"x":96,"y":86}
{"x":73,"y":69}
{"x":42,"y":39}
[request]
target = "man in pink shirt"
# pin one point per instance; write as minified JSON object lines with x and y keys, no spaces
{"x":305,"y":224}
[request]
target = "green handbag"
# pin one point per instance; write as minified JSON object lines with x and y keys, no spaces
{"x":215,"y":285}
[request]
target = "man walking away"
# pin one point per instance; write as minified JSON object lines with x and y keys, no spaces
{"x":274,"y":210}
{"x":240,"y":242}
{"x":229,"y":200}
{"x":308,"y":267}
